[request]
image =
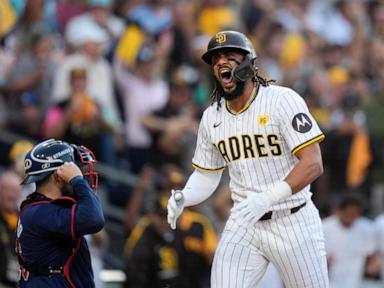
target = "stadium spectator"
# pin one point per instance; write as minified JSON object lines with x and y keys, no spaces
{"x":379,"y":229}
{"x":100,"y":86}
{"x":8,"y":17}
{"x":348,"y":155}
{"x":10,"y":193}
{"x":7,"y":60}
{"x":374,"y":111}
{"x":16,"y":154}
{"x":142,"y":90}
{"x":99,"y":14}
{"x":183,"y":31}
{"x":173,"y":125}
{"x":29,"y":85}
{"x":189,"y":250}
{"x":98,"y":245}
{"x":152,"y":16}
{"x":216,"y":15}
{"x":151,"y":251}
{"x":78,"y":119}
{"x":65,"y":10}
{"x":349,"y":241}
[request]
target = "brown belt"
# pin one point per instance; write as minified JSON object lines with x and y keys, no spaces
{"x":268,"y":215}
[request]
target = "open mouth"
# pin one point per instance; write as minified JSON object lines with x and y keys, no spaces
{"x":226,"y":76}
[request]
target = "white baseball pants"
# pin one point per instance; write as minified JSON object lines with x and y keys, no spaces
{"x":293,"y":243}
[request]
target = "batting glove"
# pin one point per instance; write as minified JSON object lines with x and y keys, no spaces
{"x":251,"y":209}
{"x":175,"y":207}
{"x":255,"y":205}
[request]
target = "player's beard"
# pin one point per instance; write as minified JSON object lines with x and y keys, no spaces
{"x":239,"y":89}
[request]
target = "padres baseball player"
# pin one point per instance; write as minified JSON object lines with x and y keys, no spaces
{"x":50,"y":241}
{"x":269,"y":141}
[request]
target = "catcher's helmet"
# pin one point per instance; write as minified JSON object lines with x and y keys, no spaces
{"x":228,"y":39}
{"x":46,"y":157}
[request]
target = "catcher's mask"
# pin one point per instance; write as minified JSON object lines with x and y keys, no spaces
{"x":237,"y":41}
{"x":86,"y":160}
{"x":46,"y":157}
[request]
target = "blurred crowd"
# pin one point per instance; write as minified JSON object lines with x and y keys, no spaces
{"x":124,"y":78}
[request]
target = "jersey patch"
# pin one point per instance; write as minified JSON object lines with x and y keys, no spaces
{"x":263,"y":120}
{"x":301,"y":123}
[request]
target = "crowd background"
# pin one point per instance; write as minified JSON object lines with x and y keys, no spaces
{"x":125,"y":78}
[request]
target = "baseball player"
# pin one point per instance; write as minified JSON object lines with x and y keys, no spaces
{"x":50,"y":241}
{"x":269,"y":141}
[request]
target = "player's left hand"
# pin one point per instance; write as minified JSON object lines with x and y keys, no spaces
{"x":251,"y":209}
{"x":175,"y":207}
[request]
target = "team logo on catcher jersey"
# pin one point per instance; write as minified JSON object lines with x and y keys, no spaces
{"x":263,"y":120}
{"x":301,"y":123}
{"x":221,"y":38}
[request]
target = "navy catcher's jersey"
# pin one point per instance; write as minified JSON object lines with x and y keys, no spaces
{"x":50,"y":234}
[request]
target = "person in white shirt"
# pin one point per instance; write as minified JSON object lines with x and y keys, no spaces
{"x":379,"y":229}
{"x":349,"y":241}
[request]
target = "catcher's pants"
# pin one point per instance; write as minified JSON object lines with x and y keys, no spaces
{"x":293,"y":243}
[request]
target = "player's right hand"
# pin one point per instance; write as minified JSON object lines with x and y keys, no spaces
{"x":175,"y":207}
{"x":251,"y":209}
{"x":68,"y":171}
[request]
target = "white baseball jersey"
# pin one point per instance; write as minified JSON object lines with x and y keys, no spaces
{"x":258,"y":143}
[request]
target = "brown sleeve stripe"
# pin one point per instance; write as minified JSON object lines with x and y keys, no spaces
{"x":309,"y":142}
{"x":207,"y":169}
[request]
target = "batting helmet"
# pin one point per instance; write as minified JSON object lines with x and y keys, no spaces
{"x":228,"y":39}
{"x":46,"y":157}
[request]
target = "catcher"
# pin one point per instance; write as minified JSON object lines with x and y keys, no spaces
{"x":50,"y":241}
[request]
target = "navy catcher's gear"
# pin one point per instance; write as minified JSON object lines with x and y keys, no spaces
{"x":49,"y":155}
{"x":85,"y":159}
{"x":229,"y":39}
{"x":50,"y":238}
{"x":45,"y":158}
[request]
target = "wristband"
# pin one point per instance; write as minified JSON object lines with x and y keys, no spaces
{"x":280,"y":192}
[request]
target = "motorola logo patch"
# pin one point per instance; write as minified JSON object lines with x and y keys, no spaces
{"x":301,"y":123}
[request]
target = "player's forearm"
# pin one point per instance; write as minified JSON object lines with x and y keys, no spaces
{"x":200,"y":187}
{"x":305,"y":172}
{"x":89,"y":217}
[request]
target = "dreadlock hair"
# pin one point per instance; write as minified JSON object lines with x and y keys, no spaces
{"x":216,"y":96}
